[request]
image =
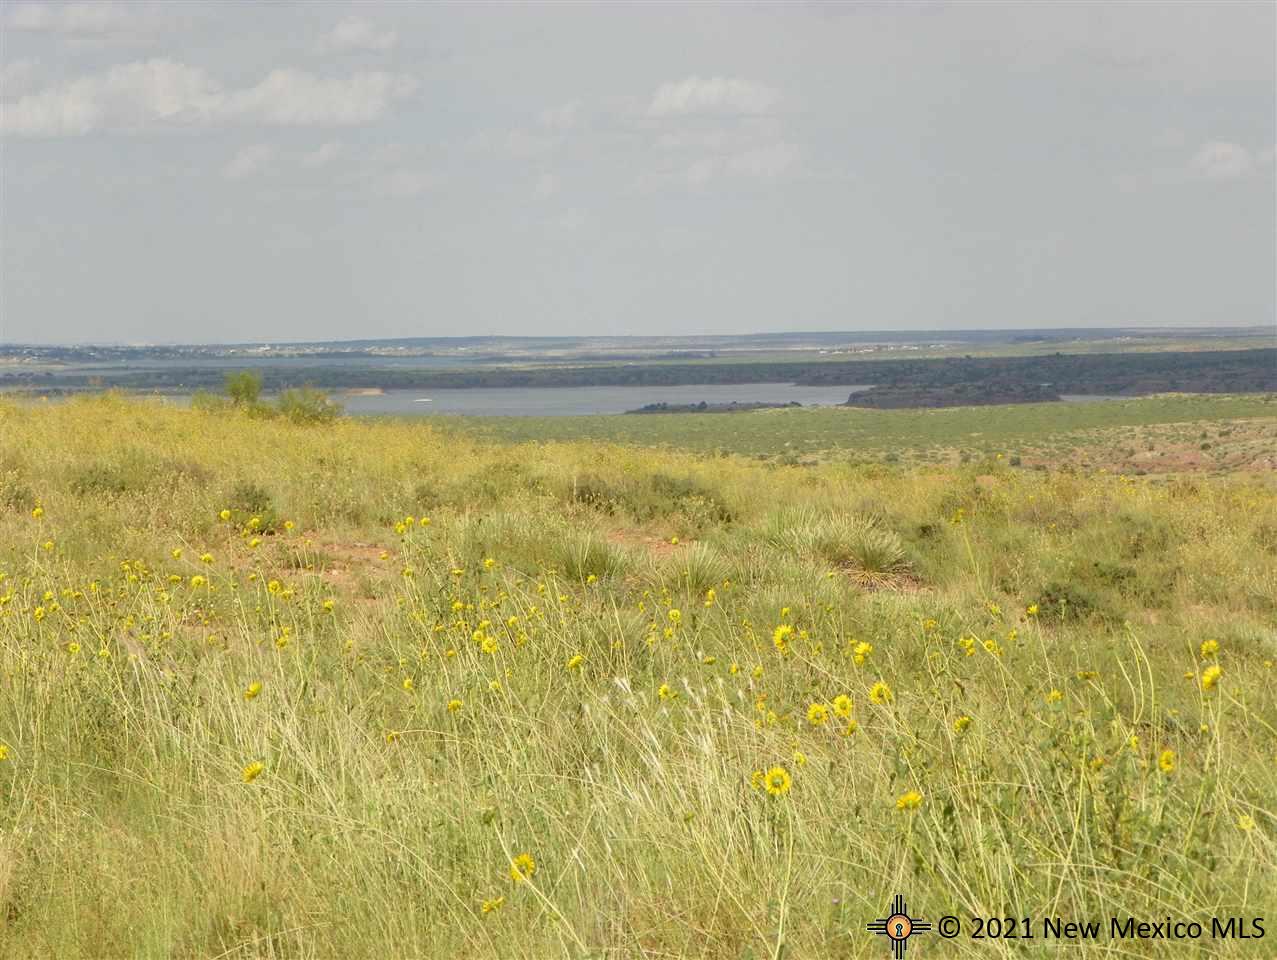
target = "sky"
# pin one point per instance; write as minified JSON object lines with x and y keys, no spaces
{"x":190,"y":172}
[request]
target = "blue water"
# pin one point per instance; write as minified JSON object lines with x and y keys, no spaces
{"x":581,"y":401}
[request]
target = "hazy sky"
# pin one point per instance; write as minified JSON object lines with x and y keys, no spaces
{"x":187,"y":172}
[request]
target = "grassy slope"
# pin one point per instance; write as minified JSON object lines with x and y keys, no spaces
{"x":383,"y":820}
{"x":855,"y":431}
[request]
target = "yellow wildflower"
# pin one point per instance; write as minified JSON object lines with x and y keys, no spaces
{"x":780,"y":637}
{"x":778,"y":781}
{"x":911,"y":800}
{"x":522,"y":867}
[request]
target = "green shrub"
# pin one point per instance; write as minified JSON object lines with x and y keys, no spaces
{"x":244,"y":387}
{"x":1063,"y":602}
{"x":247,"y":500}
{"x":306,"y":405}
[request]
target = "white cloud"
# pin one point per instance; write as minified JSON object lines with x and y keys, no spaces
{"x":1219,"y":160}
{"x":321,"y":156}
{"x":297,"y":98}
{"x":69,"y":18}
{"x":124,"y":97}
{"x":356,"y":34}
{"x":717,"y":95}
{"x":250,"y":160}
{"x":158,"y":93}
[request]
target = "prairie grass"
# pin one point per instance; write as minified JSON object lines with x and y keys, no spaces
{"x":595,"y":655}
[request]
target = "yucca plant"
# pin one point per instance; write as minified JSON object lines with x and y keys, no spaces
{"x":872,"y":553}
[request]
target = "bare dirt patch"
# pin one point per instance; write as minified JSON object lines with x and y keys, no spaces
{"x":656,"y":546}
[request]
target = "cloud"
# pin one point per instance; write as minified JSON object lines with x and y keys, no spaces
{"x":714,"y":95}
{"x":297,"y":98}
{"x":163,"y":93}
{"x":124,"y":97}
{"x":249,"y":161}
{"x":1220,"y":160}
{"x":321,"y":156}
{"x":68,"y":18}
{"x":356,"y":34}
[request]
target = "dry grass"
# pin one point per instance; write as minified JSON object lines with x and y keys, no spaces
{"x":384,"y":820}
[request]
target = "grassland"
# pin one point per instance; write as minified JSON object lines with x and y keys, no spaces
{"x":269,"y":690}
{"x":860,"y":434}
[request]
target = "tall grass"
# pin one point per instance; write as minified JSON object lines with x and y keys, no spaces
{"x":524,"y":669}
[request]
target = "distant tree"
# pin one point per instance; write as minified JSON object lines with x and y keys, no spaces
{"x":244,"y":387}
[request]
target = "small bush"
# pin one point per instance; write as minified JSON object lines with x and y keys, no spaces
{"x":597,"y":493}
{"x":654,"y":497}
{"x":247,"y":500}
{"x":1061,"y":602}
{"x":307,"y":405}
{"x":100,"y":479}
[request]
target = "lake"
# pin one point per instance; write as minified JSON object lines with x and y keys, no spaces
{"x":581,"y":401}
